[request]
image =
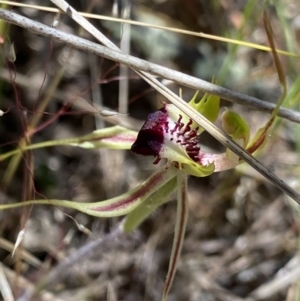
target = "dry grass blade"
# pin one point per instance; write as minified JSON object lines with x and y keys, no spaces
{"x":59,"y":273}
{"x":4,"y":287}
{"x":276,"y":285}
{"x":25,"y":284}
{"x":6,"y":245}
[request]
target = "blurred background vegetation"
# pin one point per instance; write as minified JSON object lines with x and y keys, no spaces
{"x":242,"y":235}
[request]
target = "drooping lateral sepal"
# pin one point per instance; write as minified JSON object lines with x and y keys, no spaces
{"x":128,"y":201}
{"x":139,"y":214}
{"x":118,"y":206}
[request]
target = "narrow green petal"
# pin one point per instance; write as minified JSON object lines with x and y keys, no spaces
{"x":117,"y":206}
{"x":139,"y":214}
{"x":115,"y":137}
{"x":208,"y":106}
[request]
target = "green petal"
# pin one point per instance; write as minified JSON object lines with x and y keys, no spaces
{"x":139,"y":214}
{"x":115,"y":137}
{"x":208,"y":106}
{"x":237,"y":127}
{"x":117,"y":206}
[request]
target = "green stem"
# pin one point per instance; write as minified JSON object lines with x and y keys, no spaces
{"x":180,"y":227}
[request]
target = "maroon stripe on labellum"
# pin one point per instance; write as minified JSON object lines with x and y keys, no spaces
{"x":157,"y":130}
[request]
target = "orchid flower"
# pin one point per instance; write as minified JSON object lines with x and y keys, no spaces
{"x":167,"y":134}
{"x":170,"y":134}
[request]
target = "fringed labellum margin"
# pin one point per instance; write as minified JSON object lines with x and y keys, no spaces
{"x":170,"y":134}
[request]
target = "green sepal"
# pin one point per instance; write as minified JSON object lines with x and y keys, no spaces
{"x":208,"y":106}
{"x":237,"y":127}
{"x":117,"y":206}
{"x":115,"y":137}
{"x":139,"y":214}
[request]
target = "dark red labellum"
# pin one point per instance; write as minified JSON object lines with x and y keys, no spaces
{"x":150,"y":138}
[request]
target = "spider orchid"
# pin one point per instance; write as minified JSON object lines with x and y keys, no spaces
{"x":169,"y":134}
{"x":166,"y":134}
